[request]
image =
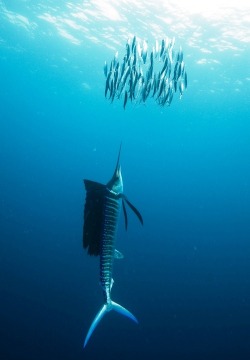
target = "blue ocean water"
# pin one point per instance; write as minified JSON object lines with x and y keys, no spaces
{"x":186,"y":273}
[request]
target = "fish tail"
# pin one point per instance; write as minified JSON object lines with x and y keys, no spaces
{"x":105,"y":309}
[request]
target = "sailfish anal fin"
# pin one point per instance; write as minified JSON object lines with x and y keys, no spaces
{"x":118,"y":255}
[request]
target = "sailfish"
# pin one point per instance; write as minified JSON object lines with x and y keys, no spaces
{"x":101,"y":213}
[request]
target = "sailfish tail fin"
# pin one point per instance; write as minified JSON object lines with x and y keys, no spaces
{"x":122,"y":310}
{"x":105,"y":309}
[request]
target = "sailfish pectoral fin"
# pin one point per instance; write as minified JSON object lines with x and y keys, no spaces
{"x":132,"y":207}
{"x":105,"y":309}
{"x":125,"y":214}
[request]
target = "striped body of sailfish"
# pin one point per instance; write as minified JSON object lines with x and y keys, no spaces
{"x":101,"y":212}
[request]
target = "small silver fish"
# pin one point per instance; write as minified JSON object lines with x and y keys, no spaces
{"x":144,"y":51}
{"x":105,"y":69}
{"x":125,"y":99}
{"x":185,"y":80}
{"x":162,"y":47}
{"x":133,"y":44}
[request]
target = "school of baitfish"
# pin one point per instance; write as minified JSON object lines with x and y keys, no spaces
{"x":158,"y":74}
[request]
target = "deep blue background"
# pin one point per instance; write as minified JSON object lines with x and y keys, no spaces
{"x":186,"y":273}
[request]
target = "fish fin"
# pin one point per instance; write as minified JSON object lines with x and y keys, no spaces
{"x":137,"y":213}
{"x":92,"y":229}
{"x":125,"y":214}
{"x":118,"y":255}
{"x":95,"y":322}
{"x":122,"y":310}
{"x":93,"y":185}
{"x":105,"y":309}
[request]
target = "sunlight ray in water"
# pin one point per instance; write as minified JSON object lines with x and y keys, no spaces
{"x":209,"y":28}
{"x":230,"y":19}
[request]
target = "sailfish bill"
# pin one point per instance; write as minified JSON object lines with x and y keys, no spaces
{"x":101,"y":212}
